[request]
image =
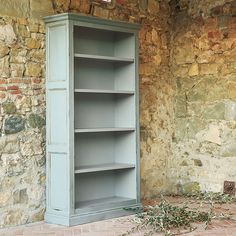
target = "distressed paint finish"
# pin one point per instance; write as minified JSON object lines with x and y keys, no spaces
{"x":75,"y":197}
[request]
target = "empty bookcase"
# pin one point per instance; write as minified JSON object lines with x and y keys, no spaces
{"x":92,"y":119}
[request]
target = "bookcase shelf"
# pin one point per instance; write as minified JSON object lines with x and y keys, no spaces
{"x":106,"y":91}
{"x":99,"y":204}
{"x":104,"y":167}
{"x":104,"y":58}
{"x":92,"y":119}
{"x":98,"y":130}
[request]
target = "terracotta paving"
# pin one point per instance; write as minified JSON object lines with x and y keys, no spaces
{"x":119,"y":226}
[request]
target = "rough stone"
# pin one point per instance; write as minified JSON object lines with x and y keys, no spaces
{"x":14,"y":124}
{"x":229,"y":149}
{"x":9,"y":107}
{"x":32,"y":43}
{"x":33,"y":70}
{"x":184,"y":163}
{"x":83,"y":7}
{"x":38,"y":216}
{"x":11,"y":144}
{"x":231,"y":88}
{"x":17,"y":70}
{"x":198,"y":162}
{"x":4,"y":67}
{"x":184,"y":54}
{"x":209,"y":69}
{"x":4,"y":50}
{"x":15,"y":217}
{"x":36,"y":121}
{"x":216,"y":111}
{"x":18,"y":55}
{"x":5,"y":198}
{"x":14,"y":165}
{"x":193,"y":70}
{"x":153,"y":6}
{"x":40,"y":8}
{"x":7,"y":34}
{"x":20,"y":196}
{"x":211,"y":134}
{"x":194,"y":126}
{"x":101,"y":12}
{"x":23,"y":31}
{"x":230,"y":111}
{"x":37,"y":55}
{"x":181,"y":106}
{"x":191,"y":187}
{"x":15,"y":8}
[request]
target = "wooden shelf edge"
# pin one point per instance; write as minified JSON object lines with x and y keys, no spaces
{"x":105,"y":58}
{"x":105,"y":167}
{"x":104,"y":91}
{"x":98,"y":130}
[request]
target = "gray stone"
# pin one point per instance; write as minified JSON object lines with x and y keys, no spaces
{"x":229,"y":149}
{"x":230,"y":110}
{"x":12,"y":146}
{"x":181,"y":131}
{"x":195,"y":125}
{"x":9,"y":107}
{"x":14,"y":164}
{"x":38,"y":216}
{"x":183,"y":163}
{"x":197,"y":162}
{"x":15,"y":217}
{"x":14,"y":124}
{"x":36,"y":121}
{"x":191,"y":187}
{"x":20,"y":196}
{"x":197,"y":92}
{"x":216,"y":111}
{"x":181,"y":106}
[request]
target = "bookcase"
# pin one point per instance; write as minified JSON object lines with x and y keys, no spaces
{"x":92,"y":119}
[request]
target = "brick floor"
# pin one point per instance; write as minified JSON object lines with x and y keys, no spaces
{"x":119,"y":226}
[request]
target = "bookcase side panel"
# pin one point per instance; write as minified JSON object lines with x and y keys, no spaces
{"x":57,"y":95}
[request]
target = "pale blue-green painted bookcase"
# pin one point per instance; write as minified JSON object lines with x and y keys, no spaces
{"x":92,"y":119}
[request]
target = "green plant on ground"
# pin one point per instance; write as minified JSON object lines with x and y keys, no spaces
{"x":176,"y":220}
{"x":211,"y":197}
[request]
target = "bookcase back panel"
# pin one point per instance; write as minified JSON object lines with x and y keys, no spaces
{"x":94,"y":186}
{"x":94,"y":149}
{"x":105,"y":148}
{"x":125,"y":185}
{"x":104,"y":110}
{"x":123,"y":76}
{"x":125,"y":147}
{"x":103,"y":42}
{"x":92,"y":74}
{"x":100,"y":185}
{"x":95,"y":74}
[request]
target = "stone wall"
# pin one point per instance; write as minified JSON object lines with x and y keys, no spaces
{"x":22,"y":96}
{"x":22,"y":124}
{"x":203,"y":63}
{"x":187,"y":96}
